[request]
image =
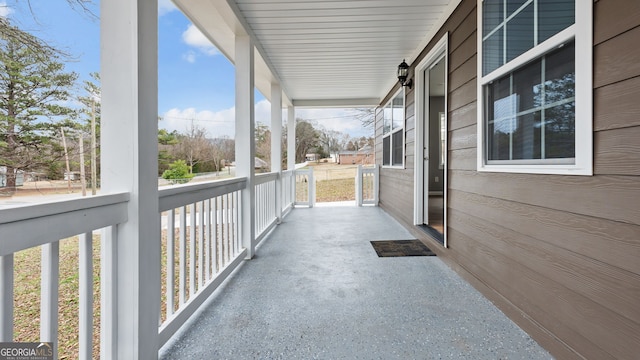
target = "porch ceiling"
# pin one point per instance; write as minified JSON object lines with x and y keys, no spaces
{"x":323,"y":53}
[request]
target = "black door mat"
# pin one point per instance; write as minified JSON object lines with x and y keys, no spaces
{"x":394,"y":248}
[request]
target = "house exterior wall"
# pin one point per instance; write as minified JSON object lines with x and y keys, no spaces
{"x":360,"y":158}
{"x":559,"y":254}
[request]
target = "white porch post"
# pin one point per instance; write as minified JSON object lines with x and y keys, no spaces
{"x":276,"y":140}
{"x":291,"y":138}
{"x":245,"y":138}
{"x":129,"y":147}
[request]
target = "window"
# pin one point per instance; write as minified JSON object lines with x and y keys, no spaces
{"x":534,"y":98}
{"x":393,"y":132}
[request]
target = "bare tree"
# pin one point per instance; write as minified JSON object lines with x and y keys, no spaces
{"x":263,"y":142}
{"x":366,"y":116}
{"x":221,"y":150}
{"x":193,"y":146}
{"x":331,"y":140}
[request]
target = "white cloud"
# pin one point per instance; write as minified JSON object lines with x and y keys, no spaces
{"x":334,"y":119}
{"x":194,"y":37}
{"x":165,"y":6}
{"x":217,"y":124}
{"x":222,"y":123}
{"x":189,"y":56}
{"x":5,"y":10}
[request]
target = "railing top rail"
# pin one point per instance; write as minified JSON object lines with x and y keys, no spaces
{"x":49,"y":208}
{"x":180,"y":195}
{"x":36,"y":224}
{"x":266,"y":177}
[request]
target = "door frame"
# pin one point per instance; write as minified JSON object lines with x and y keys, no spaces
{"x":422,"y":107}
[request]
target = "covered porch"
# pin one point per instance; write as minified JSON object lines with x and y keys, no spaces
{"x":180,"y":274}
{"x":317,"y":290}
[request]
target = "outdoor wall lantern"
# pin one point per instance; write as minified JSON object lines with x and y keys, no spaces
{"x":403,"y":71}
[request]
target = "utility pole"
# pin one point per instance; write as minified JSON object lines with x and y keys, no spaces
{"x":94,"y":173}
{"x":66,"y":158}
{"x":83,"y":179}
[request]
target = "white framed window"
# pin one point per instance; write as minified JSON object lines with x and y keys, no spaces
{"x":534,"y":98}
{"x":393,"y":132}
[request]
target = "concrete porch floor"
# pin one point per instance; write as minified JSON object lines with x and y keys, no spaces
{"x":317,"y":290}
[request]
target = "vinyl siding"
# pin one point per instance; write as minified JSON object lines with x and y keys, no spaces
{"x":559,"y":254}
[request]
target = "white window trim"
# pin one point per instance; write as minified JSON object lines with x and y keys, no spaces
{"x":390,"y":134}
{"x":582,"y":32}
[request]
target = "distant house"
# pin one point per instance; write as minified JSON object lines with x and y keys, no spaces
{"x":3,"y":177}
{"x":260,"y":164}
{"x":363,"y":156}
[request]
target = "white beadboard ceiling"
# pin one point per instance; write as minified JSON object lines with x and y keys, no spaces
{"x":323,"y":52}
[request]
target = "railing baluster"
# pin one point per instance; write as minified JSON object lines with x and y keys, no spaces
{"x":207,"y":239}
{"x":6,"y":298}
{"x":220,"y":232}
{"x":192,"y":250}
{"x":237,"y":226}
{"x":171,"y":258}
{"x":200,"y":245}
{"x":49,"y":295}
{"x":183,"y":255}
{"x":108,"y":278}
{"x":215,"y":251}
{"x":86,"y":295}
{"x":228,"y":209}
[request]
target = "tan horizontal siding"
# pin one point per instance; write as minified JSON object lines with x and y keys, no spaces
{"x":617,"y":105}
{"x":559,"y":254}
{"x":617,"y":152}
{"x":617,"y":59}
{"x":463,"y":116}
{"x":614,"y":17}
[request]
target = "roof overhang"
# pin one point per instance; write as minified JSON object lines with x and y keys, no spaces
{"x":323,"y":53}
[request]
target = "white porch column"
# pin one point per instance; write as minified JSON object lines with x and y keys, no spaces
{"x":129,"y":154}
{"x":276,"y":141}
{"x":291,"y":138}
{"x":245,"y":138}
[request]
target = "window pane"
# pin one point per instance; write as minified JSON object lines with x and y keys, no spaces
{"x":386,"y":150}
{"x":520,"y":33}
{"x":513,"y":5}
{"x":497,"y":91}
{"x":398,"y":112}
{"x":526,"y":137}
{"x":554,"y":16}
{"x":560,"y":74}
{"x":560,"y":126}
{"x":527,"y":85}
{"x":492,"y":15}
{"x":397,"y":147}
{"x":386,"y":122}
{"x":499,"y":133}
{"x":492,"y":49}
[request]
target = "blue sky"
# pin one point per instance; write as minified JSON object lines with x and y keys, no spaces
{"x":195,"y":82}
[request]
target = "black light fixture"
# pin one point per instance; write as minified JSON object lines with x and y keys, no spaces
{"x":403,"y":72}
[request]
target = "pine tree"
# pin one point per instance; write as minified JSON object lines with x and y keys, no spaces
{"x":33,"y":89}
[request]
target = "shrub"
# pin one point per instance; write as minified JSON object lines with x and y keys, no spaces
{"x":178,"y":172}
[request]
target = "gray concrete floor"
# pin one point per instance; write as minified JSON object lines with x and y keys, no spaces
{"x":317,"y":290}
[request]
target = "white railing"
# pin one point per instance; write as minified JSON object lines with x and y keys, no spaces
{"x":367,"y":182}
{"x":266,"y":206}
{"x":305,"y":187}
{"x":288,"y":182}
{"x":44,"y":225}
{"x":200,"y":245}
{"x":200,"y":231}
